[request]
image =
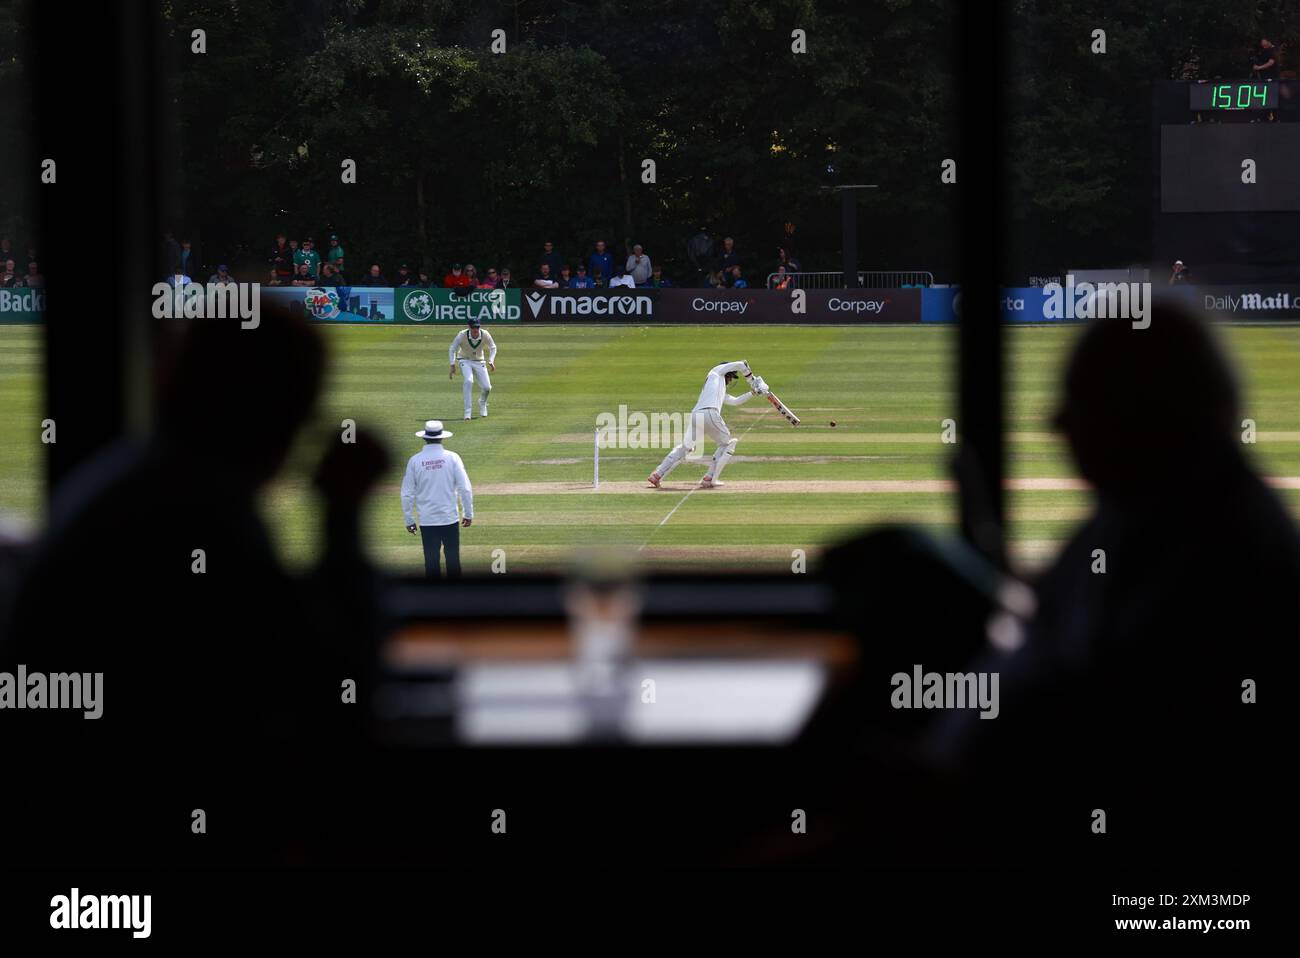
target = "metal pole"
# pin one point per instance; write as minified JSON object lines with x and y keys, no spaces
{"x":97,"y":356}
{"x":849,"y":233}
{"x":982,"y":82}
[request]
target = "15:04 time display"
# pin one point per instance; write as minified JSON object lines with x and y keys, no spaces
{"x":1233,"y":96}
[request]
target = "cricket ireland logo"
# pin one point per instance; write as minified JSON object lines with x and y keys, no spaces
{"x":418,"y":306}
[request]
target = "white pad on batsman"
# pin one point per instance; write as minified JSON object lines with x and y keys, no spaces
{"x":721,"y":457}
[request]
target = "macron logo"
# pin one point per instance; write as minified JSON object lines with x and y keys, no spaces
{"x":535,"y":301}
{"x":103,"y":911}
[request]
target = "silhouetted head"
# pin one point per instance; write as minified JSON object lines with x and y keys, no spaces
{"x":239,"y":395}
{"x":1148,"y":411}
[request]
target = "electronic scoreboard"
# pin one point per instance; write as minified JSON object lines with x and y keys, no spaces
{"x":1232,"y":96}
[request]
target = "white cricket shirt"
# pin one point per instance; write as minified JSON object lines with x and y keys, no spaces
{"x":434,"y":477}
{"x":714,"y":392}
{"x":466,"y":346}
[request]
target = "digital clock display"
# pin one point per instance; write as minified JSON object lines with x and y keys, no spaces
{"x":1233,"y":96}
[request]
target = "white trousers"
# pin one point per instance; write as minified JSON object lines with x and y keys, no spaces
{"x":704,"y":423}
{"x":470,"y":370}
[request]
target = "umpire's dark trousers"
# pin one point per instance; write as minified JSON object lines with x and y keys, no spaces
{"x":448,"y":539}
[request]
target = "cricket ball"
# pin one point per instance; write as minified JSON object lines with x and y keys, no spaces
{"x":832,"y":423}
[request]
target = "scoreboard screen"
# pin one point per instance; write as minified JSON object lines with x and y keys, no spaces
{"x":1202,"y":166}
{"x":1233,"y":96}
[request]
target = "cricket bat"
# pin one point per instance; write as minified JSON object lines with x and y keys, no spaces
{"x":782,"y":408}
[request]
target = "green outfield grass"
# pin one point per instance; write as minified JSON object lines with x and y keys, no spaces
{"x":887,"y":388}
{"x":22,"y":386}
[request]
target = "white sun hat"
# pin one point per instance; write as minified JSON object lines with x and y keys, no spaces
{"x":433,"y":430}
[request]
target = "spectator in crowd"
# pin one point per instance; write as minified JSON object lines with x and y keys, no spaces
{"x":424,"y":281}
{"x":715,"y":280}
{"x":9,"y":274}
{"x":638,"y":266}
{"x":601,"y":264}
{"x":335,"y":253}
{"x":7,"y":250}
{"x":330,"y":276}
{"x":597,"y":278}
{"x":699,"y":250}
{"x":376,"y":276}
{"x":506,"y":282}
{"x":781,"y":279}
{"x":308,"y":256}
{"x":34,"y":279}
{"x":31,"y":255}
{"x":737,"y":281}
{"x":490,"y":279}
{"x":1264,"y":62}
{"x":175,"y":281}
{"x":566,"y":277}
{"x":304,"y":277}
{"x":1179,"y":274}
{"x":624,"y":279}
{"x":405,"y":277}
{"x":171,"y":253}
{"x":456,"y":279}
{"x":729,"y":257}
{"x":551,"y":258}
{"x":293,"y":254}
{"x":281,"y":259}
{"x":582,"y":280}
{"x":783,"y":258}
{"x":657,"y":280}
{"x":222,"y":276}
{"x":544,"y":278}
{"x":471,"y":272}
{"x":189,"y":259}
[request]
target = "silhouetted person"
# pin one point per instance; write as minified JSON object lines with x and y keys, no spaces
{"x":1127,"y":695}
{"x":222,"y":672}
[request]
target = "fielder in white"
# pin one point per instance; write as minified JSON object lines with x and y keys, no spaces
{"x":476,"y":352}
{"x":706,"y":420}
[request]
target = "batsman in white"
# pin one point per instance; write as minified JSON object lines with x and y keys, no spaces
{"x":706,"y":419}
{"x":476,"y":352}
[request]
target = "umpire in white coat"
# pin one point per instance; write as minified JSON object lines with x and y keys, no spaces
{"x":435,"y":479}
